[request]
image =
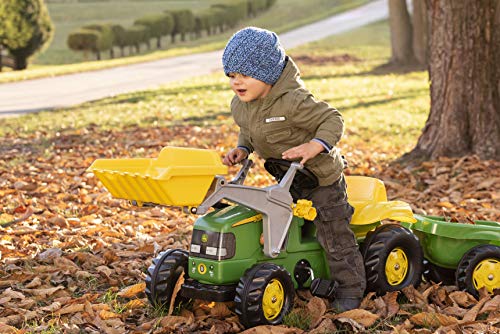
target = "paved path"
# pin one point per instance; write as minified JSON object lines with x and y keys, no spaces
{"x":67,"y":90}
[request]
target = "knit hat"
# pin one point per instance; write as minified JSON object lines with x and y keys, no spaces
{"x":255,"y":52}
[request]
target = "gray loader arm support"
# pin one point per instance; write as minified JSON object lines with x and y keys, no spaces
{"x":274,"y":203}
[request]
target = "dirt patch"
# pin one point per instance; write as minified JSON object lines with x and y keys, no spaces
{"x":322,"y":60}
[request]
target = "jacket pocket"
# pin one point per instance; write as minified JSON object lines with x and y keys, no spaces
{"x":279,"y":136}
{"x":336,"y":212}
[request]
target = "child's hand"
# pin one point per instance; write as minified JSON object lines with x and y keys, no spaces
{"x":305,"y":151}
{"x":234,"y":156}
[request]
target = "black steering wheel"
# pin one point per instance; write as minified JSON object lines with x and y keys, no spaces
{"x":304,"y":179}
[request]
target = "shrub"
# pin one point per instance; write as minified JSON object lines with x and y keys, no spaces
{"x":119,"y":37}
{"x":135,"y":35}
{"x":105,"y":40}
{"x":157,"y":25}
{"x":184,"y":23}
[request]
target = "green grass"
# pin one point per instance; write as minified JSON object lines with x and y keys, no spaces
{"x":283,"y":16}
{"x":376,"y":106}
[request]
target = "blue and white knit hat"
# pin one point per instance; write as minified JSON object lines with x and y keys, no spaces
{"x":255,"y":52}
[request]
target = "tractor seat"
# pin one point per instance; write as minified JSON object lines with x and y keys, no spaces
{"x":368,"y":197}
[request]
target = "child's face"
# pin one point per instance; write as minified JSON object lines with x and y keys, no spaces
{"x":247,"y":88}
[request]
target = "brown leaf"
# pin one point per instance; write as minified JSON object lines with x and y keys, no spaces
{"x":356,"y":327}
{"x":52,"y":307}
{"x":455,"y":311}
{"x":474,"y":311}
{"x":73,"y":308}
{"x":463,"y":298}
{"x":316,"y":307}
{"x":132,"y":291}
{"x":43,"y":292}
{"x":491,"y":305}
{"x":135,"y":303}
{"x":13,"y":294}
{"x":176,"y":290}
{"x":220,"y":310}
{"x":6,"y":329}
{"x":266,"y":329}
{"x":105,"y":315}
{"x":391,"y":302}
{"x":427,"y":319}
{"x":173,"y":321}
{"x":325,"y":326}
{"x":414,"y":296}
{"x":35,"y":283}
{"x":362,"y":317}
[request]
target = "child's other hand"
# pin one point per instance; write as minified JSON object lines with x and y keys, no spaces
{"x":234,"y":156}
{"x":305,"y":151}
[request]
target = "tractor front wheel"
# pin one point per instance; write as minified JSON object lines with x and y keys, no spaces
{"x":264,"y":295}
{"x":393,"y":259}
{"x":163,"y":275}
{"x":478,"y":268}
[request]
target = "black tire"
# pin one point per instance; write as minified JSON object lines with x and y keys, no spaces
{"x":438,"y":274}
{"x":397,"y":247}
{"x":483,"y":259}
{"x":256,"y":289}
{"x":163,"y":274}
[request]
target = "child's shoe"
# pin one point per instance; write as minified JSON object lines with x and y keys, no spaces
{"x":340,"y":305}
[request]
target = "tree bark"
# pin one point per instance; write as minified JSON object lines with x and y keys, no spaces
{"x":420,"y":31}
{"x":464,"y":73}
{"x":401,"y":32}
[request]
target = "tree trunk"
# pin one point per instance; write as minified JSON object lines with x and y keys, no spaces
{"x":464,"y":74}
{"x":420,"y":31}
{"x":401,"y":32}
{"x":112,"y":53}
{"x":20,"y":62}
{"x":1,"y":50}
{"x":158,"y":42}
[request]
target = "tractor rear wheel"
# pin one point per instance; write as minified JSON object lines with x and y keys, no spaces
{"x":163,"y":275}
{"x":393,"y":259}
{"x":478,"y":268}
{"x":264,"y":295}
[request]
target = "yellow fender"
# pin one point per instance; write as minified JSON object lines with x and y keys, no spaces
{"x":368,"y":197}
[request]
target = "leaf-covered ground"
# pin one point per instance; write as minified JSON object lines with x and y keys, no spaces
{"x":73,"y":258}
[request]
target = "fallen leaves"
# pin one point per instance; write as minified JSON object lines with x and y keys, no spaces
{"x":73,"y":257}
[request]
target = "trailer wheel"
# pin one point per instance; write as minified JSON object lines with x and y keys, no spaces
{"x":163,"y":275}
{"x":393,"y":259}
{"x":264,"y":295}
{"x":479,"y":267}
{"x":438,"y":274}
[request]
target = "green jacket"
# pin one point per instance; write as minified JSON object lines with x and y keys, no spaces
{"x":287,"y":117}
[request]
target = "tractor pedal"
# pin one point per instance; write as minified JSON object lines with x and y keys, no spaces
{"x":323,"y":288}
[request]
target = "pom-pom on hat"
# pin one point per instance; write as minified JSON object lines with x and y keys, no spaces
{"x":254,"y":52}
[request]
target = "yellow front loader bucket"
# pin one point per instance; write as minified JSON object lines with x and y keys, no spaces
{"x":179,"y":176}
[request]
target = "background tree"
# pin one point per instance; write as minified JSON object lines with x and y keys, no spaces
{"x":401,"y":32}
{"x":465,"y":81}
{"x":27,"y":29}
{"x":420,"y":31}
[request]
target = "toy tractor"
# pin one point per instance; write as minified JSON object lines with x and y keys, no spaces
{"x":262,"y":246}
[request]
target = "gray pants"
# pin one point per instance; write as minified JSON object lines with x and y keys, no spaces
{"x":337,"y":239}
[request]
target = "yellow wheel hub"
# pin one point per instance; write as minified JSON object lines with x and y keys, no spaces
{"x":487,"y":274}
{"x":396,"y":266}
{"x":273,"y":299}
